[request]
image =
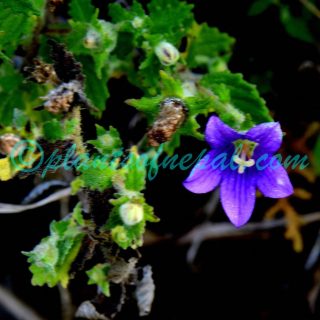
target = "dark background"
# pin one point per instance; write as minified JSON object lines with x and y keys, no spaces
{"x":252,"y":277}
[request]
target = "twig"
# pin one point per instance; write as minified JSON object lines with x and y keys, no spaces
{"x":311,"y":7}
{"x":15,"y":208}
{"x":314,"y":254}
{"x":211,"y":205}
{"x":314,"y":291}
{"x":66,"y":304}
{"x":41,"y":188}
{"x":16,"y":307}
{"x":211,"y":230}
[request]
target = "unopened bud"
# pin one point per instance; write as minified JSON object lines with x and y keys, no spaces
{"x":91,"y":40}
{"x":119,"y":235}
{"x":137,"y":22}
{"x":131,"y":213}
{"x":167,"y":53}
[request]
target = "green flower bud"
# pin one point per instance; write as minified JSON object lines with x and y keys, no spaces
{"x":92,"y":39}
{"x":131,"y":213}
{"x":137,"y":22}
{"x":167,"y":53}
{"x":119,"y":235}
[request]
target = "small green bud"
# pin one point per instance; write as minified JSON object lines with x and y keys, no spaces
{"x":137,"y":22}
{"x":119,"y":235}
{"x":92,"y":39}
{"x":167,"y":53}
{"x":131,"y":213}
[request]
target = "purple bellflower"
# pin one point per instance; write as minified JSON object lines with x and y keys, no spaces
{"x":250,"y":167}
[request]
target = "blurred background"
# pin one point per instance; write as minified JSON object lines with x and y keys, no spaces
{"x":203,"y":267}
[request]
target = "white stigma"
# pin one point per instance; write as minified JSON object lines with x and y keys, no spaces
{"x":242,"y":162}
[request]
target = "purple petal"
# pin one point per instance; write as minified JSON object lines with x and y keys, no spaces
{"x":203,"y":178}
{"x":218,"y":134}
{"x":274,"y":183}
{"x":268,"y":135}
{"x":238,"y":195}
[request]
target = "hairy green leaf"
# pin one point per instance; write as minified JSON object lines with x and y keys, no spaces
{"x":207,"y":45}
{"x":51,"y":260}
{"x":170,"y":18}
{"x":99,"y":275}
{"x":237,"y":94}
{"x":107,"y":141}
{"x":81,"y":10}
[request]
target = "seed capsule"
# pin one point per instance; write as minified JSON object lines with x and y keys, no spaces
{"x":41,"y":72}
{"x":172,"y":115}
{"x":7,"y":143}
{"x":60,"y":100}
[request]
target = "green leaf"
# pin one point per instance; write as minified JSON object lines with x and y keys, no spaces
{"x":20,"y":118}
{"x":97,"y":174}
{"x":95,"y":88}
{"x":54,"y":129}
{"x":207,"y":46}
{"x":171,"y":87}
{"x":296,"y":27}
{"x":241,"y":97}
{"x":10,"y":93}
{"x":25,"y":7}
{"x":96,"y":39}
{"x":107,"y":141}
{"x":99,"y":275}
{"x":76,"y":185}
{"x":17,"y":19}
{"x":149,"y":106}
{"x":51,"y":260}
{"x":77,"y":214}
{"x":127,"y":16}
{"x":170,"y":18}
{"x":136,"y":172}
{"x":259,"y":6}
{"x":149,"y":214}
{"x":81,"y":10}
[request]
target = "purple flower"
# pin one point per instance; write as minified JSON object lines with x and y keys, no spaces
{"x":249,"y":154}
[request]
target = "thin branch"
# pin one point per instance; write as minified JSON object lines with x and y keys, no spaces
{"x":16,"y":307}
{"x":211,"y":230}
{"x":311,"y":7}
{"x":15,"y":208}
{"x":66,"y":303}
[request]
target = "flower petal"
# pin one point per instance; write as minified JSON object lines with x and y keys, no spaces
{"x":274,"y":183}
{"x":203,"y":178}
{"x":238,"y":196}
{"x":268,"y":135}
{"x":218,"y":134}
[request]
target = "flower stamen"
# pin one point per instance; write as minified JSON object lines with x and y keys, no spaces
{"x":243,"y":158}
{"x":243,"y":163}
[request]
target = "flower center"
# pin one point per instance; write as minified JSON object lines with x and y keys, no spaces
{"x":243,"y":154}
